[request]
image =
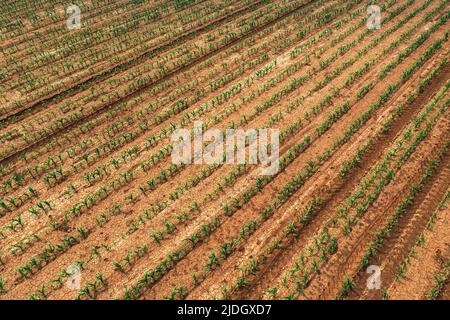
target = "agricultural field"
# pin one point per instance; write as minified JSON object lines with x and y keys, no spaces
{"x":94,"y":204}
